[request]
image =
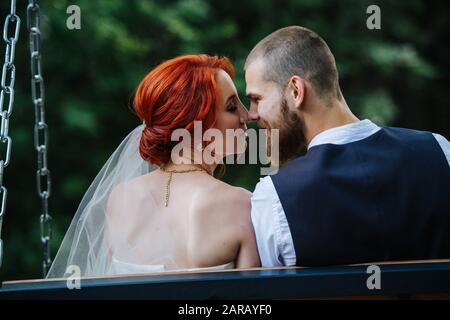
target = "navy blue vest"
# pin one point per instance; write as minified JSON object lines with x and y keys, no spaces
{"x":385,"y":197}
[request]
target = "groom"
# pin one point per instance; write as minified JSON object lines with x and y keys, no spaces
{"x":362,"y":193}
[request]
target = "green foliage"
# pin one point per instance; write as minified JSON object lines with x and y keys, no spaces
{"x":397,"y":76}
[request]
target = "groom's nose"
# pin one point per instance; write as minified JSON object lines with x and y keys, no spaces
{"x":253,"y":113}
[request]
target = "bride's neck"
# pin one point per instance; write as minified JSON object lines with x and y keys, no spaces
{"x":186,"y":162}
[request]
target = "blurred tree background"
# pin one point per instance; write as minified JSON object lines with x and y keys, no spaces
{"x":398,"y":75}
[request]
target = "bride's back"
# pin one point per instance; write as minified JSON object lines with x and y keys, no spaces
{"x":202,"y":225}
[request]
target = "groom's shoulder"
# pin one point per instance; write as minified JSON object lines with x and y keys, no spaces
{"x":266,"y":184}
{"x":265,"y":190}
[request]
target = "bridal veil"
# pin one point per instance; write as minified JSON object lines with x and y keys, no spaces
{"x":90,"y":238}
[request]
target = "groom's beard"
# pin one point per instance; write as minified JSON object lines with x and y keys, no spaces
{"x":291,"y":134}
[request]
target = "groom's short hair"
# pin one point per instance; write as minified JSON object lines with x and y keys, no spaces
{"x":298,"y":51}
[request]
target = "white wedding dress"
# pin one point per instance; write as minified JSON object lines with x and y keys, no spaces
{"x":121,"y":267}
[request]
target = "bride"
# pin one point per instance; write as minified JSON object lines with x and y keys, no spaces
{"x":151,"y":209}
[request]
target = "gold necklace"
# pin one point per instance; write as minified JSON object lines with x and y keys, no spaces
{"x":169,"y":179}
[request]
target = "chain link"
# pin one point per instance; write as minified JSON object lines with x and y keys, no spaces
{"x":11,"y":29}
{"x":43,"y":180}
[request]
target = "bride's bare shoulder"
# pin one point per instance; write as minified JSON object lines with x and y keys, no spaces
{"x":220,"y":197}
{"x":133,"y":190}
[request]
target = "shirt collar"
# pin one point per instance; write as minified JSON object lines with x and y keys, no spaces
{"x":345,"y":134}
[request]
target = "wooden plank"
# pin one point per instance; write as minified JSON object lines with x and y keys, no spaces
{"x":398,"y":280}
{"x":216,"y":271}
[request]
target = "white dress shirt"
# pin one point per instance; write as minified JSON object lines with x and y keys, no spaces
{"x":273,"y":236}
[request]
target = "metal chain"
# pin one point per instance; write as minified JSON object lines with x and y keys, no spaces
{"x":12,"y":23}
{"x":40,"y":129}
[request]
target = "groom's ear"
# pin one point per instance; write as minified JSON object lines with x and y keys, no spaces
{"x":296,"y":89}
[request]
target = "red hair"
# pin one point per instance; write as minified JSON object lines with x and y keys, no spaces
{"x":174,"y":95}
